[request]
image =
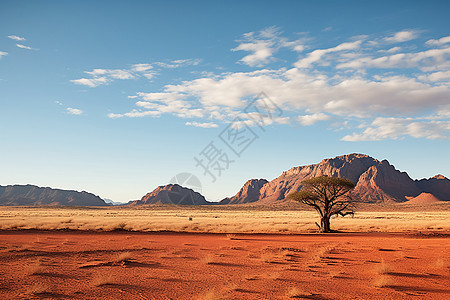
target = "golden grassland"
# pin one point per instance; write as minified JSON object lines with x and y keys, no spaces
{"x":224,"y":219}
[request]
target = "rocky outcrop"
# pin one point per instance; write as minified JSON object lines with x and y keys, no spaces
{"x":438,"y":185}
{"x":375,"y":181}
{"x":172,"y":194}
{"x":350,"y":166}
{"x":34,"y":195}
{"x":250,"y":192}
{"x":383,"y":183}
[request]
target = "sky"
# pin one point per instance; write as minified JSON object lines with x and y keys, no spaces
{"x":119,"y":97}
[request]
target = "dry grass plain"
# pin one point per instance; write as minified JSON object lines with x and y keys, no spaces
{"x":228,"y":219}
{"x":223,"y":253}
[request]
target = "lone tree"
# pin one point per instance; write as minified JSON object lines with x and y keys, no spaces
{"x":329,"y":197}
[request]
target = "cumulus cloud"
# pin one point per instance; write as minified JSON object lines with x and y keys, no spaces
{"x":16,"y":38}
{"x":307,"y":120}
{"x":202,"y":125}
{"x":74,"y":111}
{"x":263,"y":44}
{"x":295,"y":90}
{"x":91,"y":82}
{"x":436,"y":76}
{"x":391,"y":50}
{"x":380,"y":104}
{"x":317,"y":55}
{"x":396,"y":128}
{"x":135,"y":113}
{"x":425,"y":60}
{"x":106,"y":76}
{"x":439,"y":42}
{"x":402,"y":36}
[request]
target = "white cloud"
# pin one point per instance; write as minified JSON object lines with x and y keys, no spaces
{"x":3,"y":53}
{"x":105,"y":76}
{"x":317,"y":55}
{"x":436,"y":76}
{"x":141,"y":67}
{"x":91,"y":82}
{"x":263,"y":45}
{"x":115,"y":116}
{"x":113,"y":74}
{"x":439,"y":42}
{"x":178,"y":63}
{"x":402,"y":36}
{"x":138,"y":113}
{"x":391,"y":50}
{"x":380,"y":105}
{"x":426,"y":60}
{"x":24,"y":47}
{"x":74,"y":111}
{"x":296,"y":90}
{"x":202,"y":125}
{"x":396,"y":128}
{"x":262,"y":52}
{"x":308,"y":120}
{"x":17,"y":38}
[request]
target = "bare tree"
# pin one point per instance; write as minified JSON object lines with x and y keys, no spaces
{"x":328,"y":195}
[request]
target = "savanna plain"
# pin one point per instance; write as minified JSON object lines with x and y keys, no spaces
{"x":227,"y":252}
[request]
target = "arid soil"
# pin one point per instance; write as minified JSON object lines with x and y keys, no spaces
{"x":126,"y":265}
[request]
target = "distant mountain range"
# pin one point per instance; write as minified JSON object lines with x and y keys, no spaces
{"x":34,"y":195}
{"x":375,"y":182}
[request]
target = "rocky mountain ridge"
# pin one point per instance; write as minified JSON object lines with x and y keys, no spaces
{"x":34,"y":196}
{"x":375,"y":181}
{"x":172,"y":194}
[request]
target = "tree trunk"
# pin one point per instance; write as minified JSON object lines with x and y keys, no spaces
{"x":325,"y":224}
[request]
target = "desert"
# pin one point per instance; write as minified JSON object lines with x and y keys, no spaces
{"x":229,"y":252}
{"x":259,"y":244}
{"x":128,"y":265}
{"x":225,"y":150}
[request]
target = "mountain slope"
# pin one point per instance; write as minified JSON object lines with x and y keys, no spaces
{"x":438,"y":185}
{"x":250,"y":192}
{"x":172,"y":194}
{"x":375,"y":181}
{"x":34,"y":195}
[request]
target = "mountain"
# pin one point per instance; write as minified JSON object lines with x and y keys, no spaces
{"x":109,"y":201}
{"x":438,"y":185}
{"x":375,"y":181}
{"x":34,"y":195}
{"x":250,"y":192}
{"x":172,"y":194}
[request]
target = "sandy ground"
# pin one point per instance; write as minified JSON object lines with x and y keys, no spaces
{"x":126,"y":265}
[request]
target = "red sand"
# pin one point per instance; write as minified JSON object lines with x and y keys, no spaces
{"x":37,"y":265}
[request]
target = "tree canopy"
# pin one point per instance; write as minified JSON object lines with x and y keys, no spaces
{"x":328,"y":195}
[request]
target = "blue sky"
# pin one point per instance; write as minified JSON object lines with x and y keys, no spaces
{"x":117,"y":97}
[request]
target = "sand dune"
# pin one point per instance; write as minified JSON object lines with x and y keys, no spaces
{"x":424,"y":198}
